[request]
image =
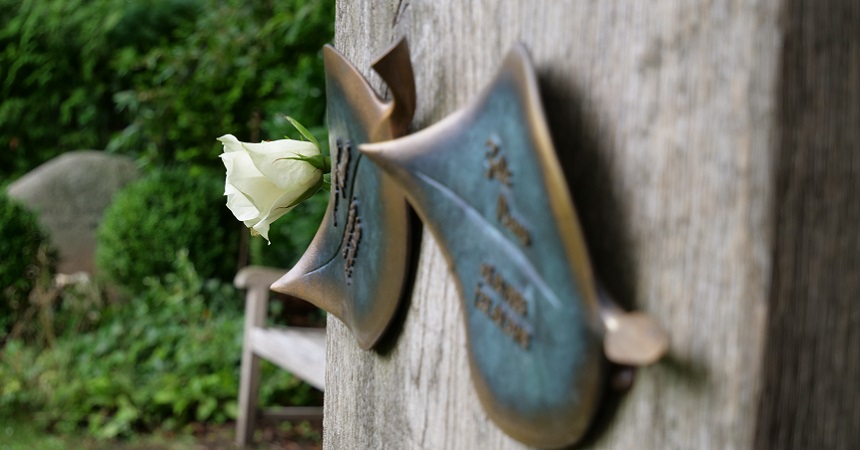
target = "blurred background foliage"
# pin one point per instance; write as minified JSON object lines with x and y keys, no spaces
{"x":155,"y":79}
{"x":27,"y":257}
{"x":166,"y":359}
{"x":159,"y":81}
{"x":153,"y":217}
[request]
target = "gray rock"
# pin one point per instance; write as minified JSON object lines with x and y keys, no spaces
{"x":70,"y":193}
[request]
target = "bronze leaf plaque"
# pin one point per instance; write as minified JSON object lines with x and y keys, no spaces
{"x":355,"y":267}
{"x":487,"y":183}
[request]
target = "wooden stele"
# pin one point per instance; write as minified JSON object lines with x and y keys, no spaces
{"x":487,"y":183}
{"x":356,"y":265}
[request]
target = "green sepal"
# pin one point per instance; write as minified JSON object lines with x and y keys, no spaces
{"x":323,"y":163}
{"x":303,"y":131}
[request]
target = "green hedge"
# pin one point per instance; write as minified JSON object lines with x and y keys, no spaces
{"x":166,"y":211}
{"x":25,"y":257}
{"x":157,"y":79}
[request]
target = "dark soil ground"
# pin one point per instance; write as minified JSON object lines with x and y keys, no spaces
{"x":19,"y":435}
{"x":269,"y":436}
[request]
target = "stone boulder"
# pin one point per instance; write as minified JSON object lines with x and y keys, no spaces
{"x":70,"y":193}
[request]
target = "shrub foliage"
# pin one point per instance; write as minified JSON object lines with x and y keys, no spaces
{"x":159,"y":79}
{"x":25,"y":257}
{"x":167,"y":358}
{"x":167,"y":210}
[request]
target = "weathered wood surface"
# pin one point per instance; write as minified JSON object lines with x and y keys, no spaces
{"x":714,"y":155}
{"x":301,"y":351}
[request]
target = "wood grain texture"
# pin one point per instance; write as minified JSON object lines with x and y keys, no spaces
{"x":812,"y":363}
{"x":667,"y":117}
{"x":300,"y":351}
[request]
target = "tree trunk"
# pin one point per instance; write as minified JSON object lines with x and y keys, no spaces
{"x":713,"y":151}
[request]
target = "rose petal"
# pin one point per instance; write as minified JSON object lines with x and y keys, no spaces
{"x":274,"y":160}
{"x":284,"y":204}
{"x":240,"y":205}
{"x":263,"y":181}
{"x":231,"y":144}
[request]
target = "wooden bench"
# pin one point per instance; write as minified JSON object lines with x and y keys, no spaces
{"x":300,"y":351}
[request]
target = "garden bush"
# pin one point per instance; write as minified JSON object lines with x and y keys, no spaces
{"x":54,"y":80}
{"x":156,"y":79}
{"x":165,"y":211}
{"x":168,"y":357}
{"x":25,"y":258}
{"x":237,"y":69}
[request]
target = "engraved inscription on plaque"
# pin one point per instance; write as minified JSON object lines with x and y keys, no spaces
{"x":497,"y":165}
{"x":339,"y":174}
{"x":497,"y":169}
{"x":352,"y":233}
{"x":509,"y":312}
{"x":510,"y":222}
{"x":351,"y":239}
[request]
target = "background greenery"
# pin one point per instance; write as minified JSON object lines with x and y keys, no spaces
{"x":26,"y":257}
{"x":157,"y":80}
{"x":167,"y":210}
{"x":168,"y":358}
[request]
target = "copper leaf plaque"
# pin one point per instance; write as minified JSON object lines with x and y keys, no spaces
{"x":356,"y":265}
{"x":487,"y":183}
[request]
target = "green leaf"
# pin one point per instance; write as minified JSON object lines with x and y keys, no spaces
{"x":304,"y":131}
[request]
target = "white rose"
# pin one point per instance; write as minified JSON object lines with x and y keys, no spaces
{"x":264,"y":182}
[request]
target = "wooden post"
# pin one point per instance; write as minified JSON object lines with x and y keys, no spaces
{"x":713,"y":150}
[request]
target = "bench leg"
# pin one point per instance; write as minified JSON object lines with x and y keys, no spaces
{"x":248,"y":388}
{"x":255,"y":316}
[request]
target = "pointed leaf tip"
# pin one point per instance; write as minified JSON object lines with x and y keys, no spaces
{"x":303,"y":131}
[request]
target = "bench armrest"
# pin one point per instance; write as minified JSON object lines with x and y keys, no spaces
{"x":253,"y":276}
